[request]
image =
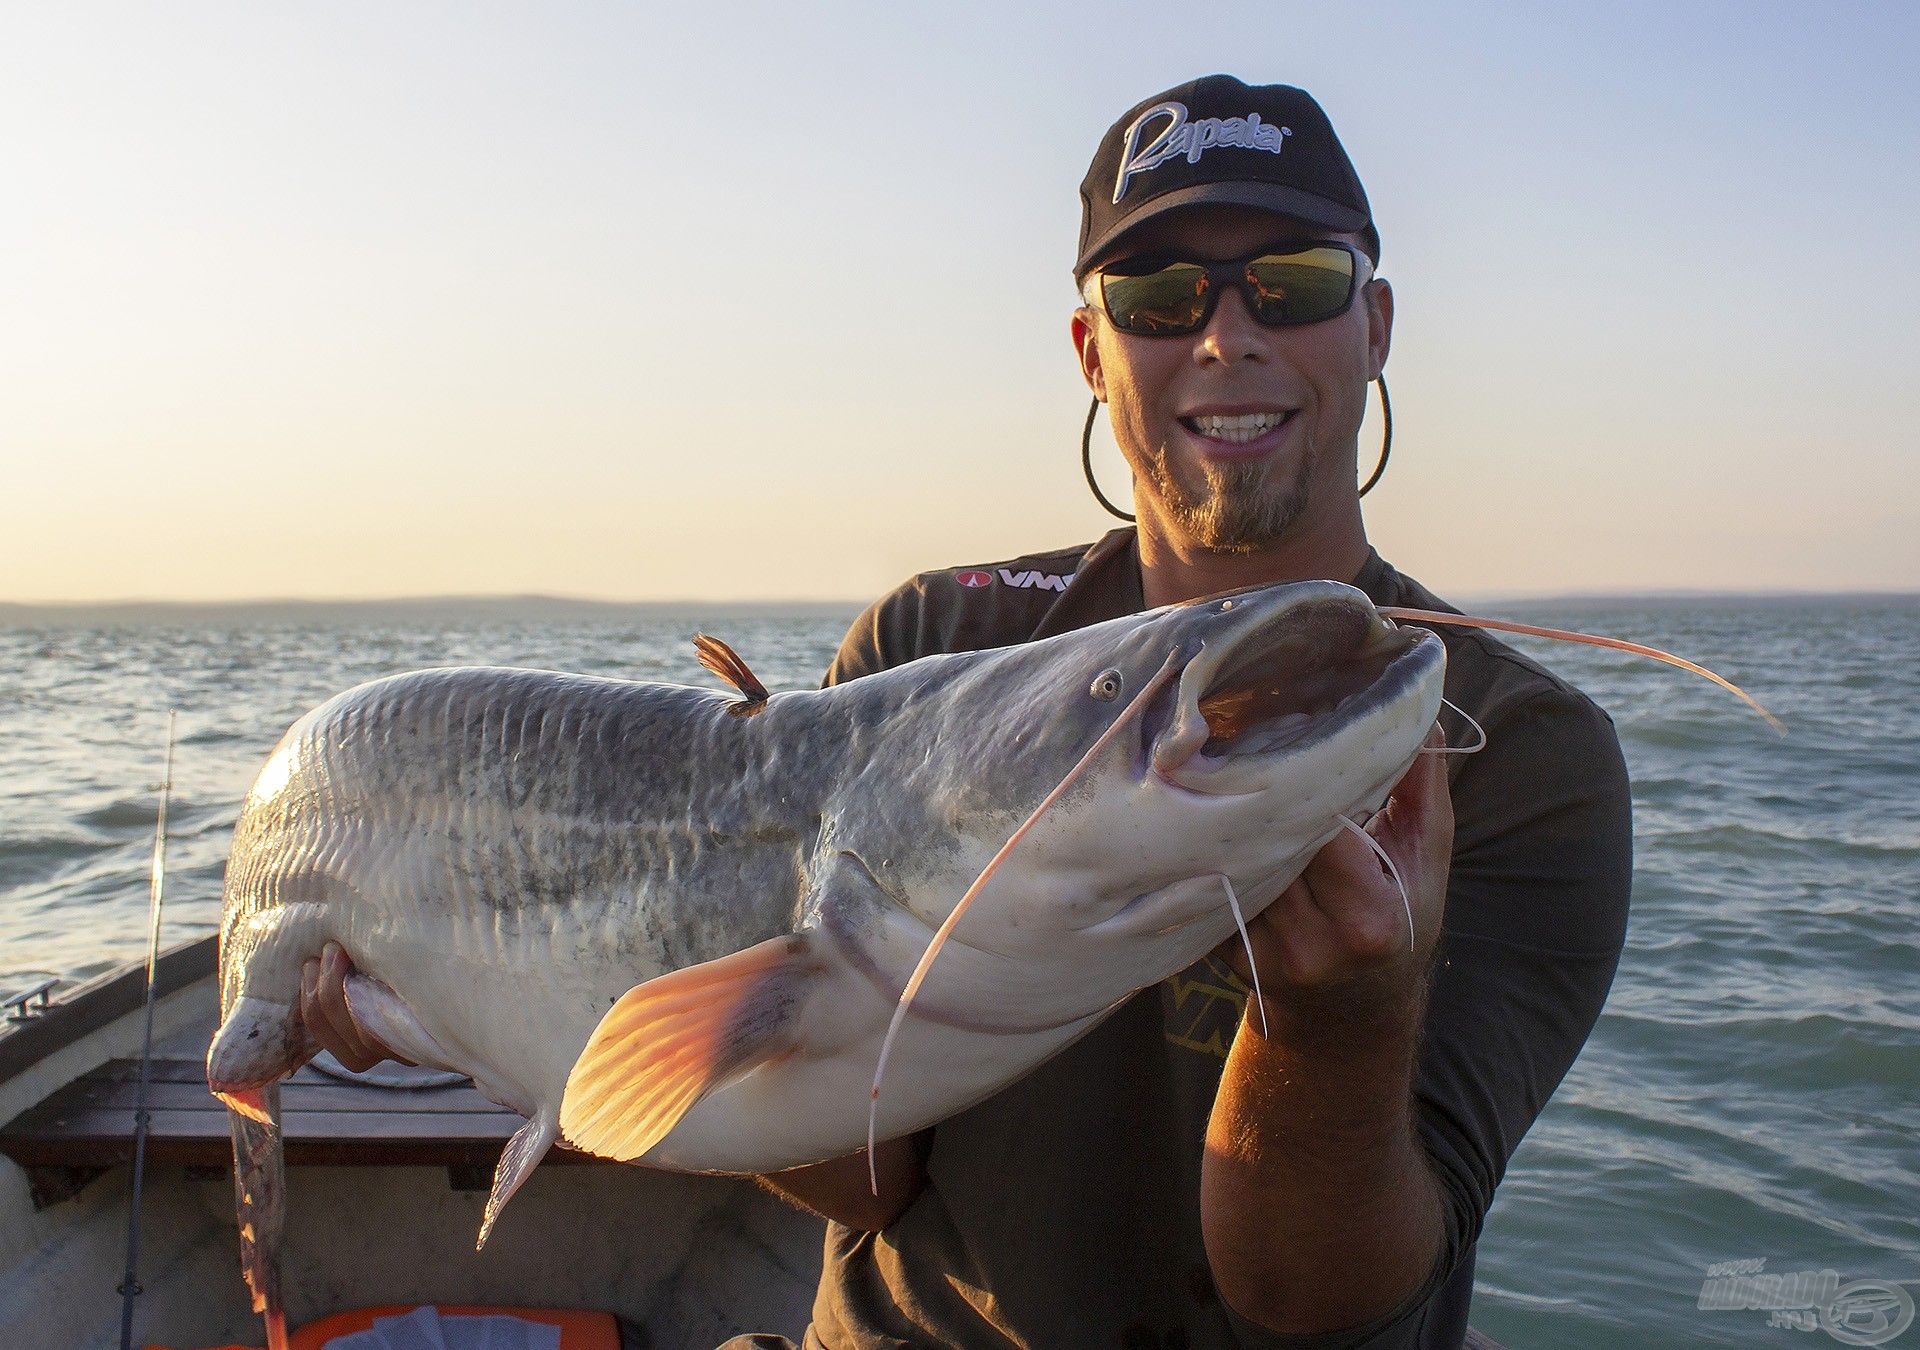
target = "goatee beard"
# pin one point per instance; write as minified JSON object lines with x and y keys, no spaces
{"x":1240,"y":507}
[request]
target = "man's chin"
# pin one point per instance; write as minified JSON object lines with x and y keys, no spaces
{"x":1240,"y":509}
{"x":1244,"y":534}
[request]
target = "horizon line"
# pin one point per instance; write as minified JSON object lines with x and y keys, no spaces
{"x":445,"y":597}
{"x":534,"y":598}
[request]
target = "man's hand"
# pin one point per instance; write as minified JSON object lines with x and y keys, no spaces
{"x":323,"y":1008}
{"x":1341,"y":927}
{"x":1318,"y":1206}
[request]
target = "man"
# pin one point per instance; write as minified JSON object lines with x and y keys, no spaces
{"x":1177,"y":1178}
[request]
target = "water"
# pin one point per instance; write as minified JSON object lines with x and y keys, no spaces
{"x":1749,"y":1093}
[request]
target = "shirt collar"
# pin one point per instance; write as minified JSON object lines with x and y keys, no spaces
{"x":1107,"y":585}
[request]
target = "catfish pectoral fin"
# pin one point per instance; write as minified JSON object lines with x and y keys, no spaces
{"x":670,"y":1041}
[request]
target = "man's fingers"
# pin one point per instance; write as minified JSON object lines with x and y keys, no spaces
{"x":1420,"y":803}
{"x":1314,"y":941}
{"x":1306,"y":939}
{"x":1425,"y":775}
{"x":349,"y":1046}
{"x":1360,"y":903}
{"x":1429,"y":772}
{"x":367,"y":1050}
{"x":1343,"y":874}
{"x":1346,"y":914}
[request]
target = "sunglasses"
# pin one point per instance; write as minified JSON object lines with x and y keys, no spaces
{"x":1282,"y":286}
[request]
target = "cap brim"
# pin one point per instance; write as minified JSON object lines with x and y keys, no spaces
{"x":1281,"y":200}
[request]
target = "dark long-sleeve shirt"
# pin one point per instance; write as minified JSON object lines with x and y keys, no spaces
{"x":1065,"y":1210}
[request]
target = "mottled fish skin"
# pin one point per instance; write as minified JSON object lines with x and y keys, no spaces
{"x":502,"y":793}
{"x":509,"y":852}
{"x":510,"y":820}
{"x":644,"y":809}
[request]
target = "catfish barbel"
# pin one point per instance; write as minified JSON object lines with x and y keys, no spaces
{"x":748,"y":881}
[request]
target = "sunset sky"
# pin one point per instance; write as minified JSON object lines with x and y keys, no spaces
{"x":726,"y":301}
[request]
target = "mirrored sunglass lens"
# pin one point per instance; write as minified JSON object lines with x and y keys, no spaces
{"x":1170,"y":300}
{"x":1302,"y":287}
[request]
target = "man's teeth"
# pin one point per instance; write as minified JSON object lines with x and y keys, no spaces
{"x":1240,"y":429}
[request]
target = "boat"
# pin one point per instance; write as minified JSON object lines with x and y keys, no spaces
{"x":387,"y":1176}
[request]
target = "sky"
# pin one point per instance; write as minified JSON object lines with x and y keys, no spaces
{"x":725,"y":301}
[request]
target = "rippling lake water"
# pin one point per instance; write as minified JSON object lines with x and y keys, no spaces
{"x":1752,"y":1091}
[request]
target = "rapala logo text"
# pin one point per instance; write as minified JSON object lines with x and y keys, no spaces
{"x":973,"y":580}
{"x":1035,"y":581}
{"x":1181,"y":139}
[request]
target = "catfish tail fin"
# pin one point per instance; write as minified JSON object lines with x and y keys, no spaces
{"x":260,"y":1042}
{"x":260,"y":1195}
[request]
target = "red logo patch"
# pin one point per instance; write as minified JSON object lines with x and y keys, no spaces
{"x":973,"y":580}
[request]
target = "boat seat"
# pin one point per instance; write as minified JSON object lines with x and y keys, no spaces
{"x":328,"y":1122}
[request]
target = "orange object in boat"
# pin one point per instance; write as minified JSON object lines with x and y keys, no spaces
{"x":578,"y":1330}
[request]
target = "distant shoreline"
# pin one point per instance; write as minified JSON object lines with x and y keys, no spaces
{"x":552,"y":608}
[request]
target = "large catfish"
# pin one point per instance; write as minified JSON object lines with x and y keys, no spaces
{"x":740,"y":886}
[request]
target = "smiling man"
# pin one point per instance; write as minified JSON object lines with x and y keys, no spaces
{"x":1178,"y":1178}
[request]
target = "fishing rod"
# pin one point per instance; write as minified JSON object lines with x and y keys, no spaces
{"x":130,"y":1286}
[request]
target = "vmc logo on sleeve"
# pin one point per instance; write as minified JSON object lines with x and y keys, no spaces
{"x":973,"y":578}
{"x":1035,"y":581}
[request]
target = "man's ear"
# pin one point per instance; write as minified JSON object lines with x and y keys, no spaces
{"x":1378,"y":297}
{"x":1086,"y":328}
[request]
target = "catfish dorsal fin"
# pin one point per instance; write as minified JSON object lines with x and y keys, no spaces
{"x":670,"y":1041}
{"x":725,"y":662}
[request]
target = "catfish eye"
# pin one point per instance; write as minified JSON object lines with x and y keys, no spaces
{"x":1106,"y":686}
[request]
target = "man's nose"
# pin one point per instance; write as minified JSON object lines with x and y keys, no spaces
{"x":1232,"y":334}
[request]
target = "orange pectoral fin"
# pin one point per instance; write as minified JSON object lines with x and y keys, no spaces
{"x":669,"y":1042}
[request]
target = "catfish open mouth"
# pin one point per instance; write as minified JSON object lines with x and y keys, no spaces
{"x":1307,"y":672}
{"x":1281,"y":685}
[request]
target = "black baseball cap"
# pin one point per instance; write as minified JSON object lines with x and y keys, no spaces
{"x":1215,"y":141}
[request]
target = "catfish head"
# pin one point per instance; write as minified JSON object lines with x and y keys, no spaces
{"x":1267,"y":715}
